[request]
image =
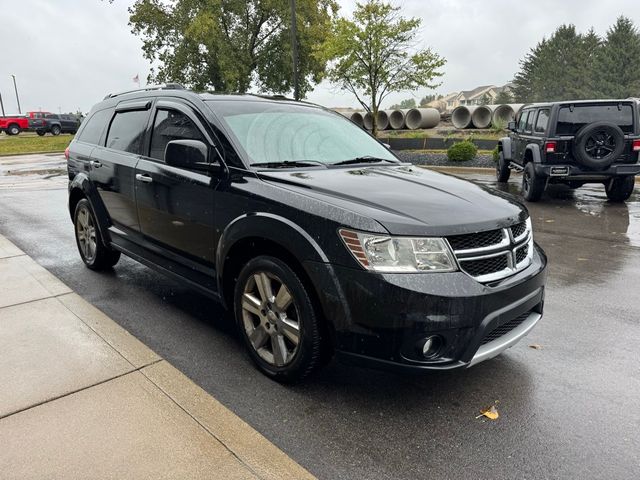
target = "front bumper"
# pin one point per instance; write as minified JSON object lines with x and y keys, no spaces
{"x":381,"y":320}
{"x":576,"y":172}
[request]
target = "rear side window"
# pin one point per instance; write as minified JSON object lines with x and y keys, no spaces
{"x":529,"y":126}
{"x":171,"y":125}
{"x":543,"y":121}
{"x":126,"y":130}
{"x":573,"y":118}
{"x":94,"y":127}
{"x":52,"y":116}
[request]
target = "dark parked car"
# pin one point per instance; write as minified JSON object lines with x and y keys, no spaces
{"x":55,"y":124}
{"x":312,"y":232}
{"x":573,"y":143}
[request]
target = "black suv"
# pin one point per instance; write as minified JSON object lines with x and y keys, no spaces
{"x":309,"y":230}
{"x":55,"y":124}
{"x":594,"y":141}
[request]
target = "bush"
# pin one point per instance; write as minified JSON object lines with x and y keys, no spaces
{"x":462,"y":151}
{"x":495,"y":154}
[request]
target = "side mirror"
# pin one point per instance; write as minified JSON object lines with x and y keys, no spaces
{"x":189,"y":154}
{"x":511,"y":126}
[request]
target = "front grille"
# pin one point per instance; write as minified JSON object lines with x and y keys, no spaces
{"x":485,"y":266}
{"x":475,"y":240}
{"x":505,"y":328}
{"x":522,"y":253}
{"x":519,"y":229}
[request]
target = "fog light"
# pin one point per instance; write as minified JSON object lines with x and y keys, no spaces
{"x":431,"y":346}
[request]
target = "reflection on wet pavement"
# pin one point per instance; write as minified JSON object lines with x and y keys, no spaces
{"x":33,"y":171}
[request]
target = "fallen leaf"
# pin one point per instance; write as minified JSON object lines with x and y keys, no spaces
{"x":535,"y":346}
{"x":491,"y":413}
{"x":580,"y":259}
{"x":549,"y":221}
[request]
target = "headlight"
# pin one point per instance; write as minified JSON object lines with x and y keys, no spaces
{"x":384,"y":253}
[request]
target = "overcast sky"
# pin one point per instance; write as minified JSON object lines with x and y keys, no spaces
{"x":68,"y":54}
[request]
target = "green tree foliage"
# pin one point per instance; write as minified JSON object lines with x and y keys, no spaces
{"x":404,"y":104}
{"x":485,"y":99}
{"x":570,"y":65}
{"x":504,"y":96}
{"x":374,"y":55}
{"x":428,"y":99}
{"x":232,"y":45}
{"x":619,"y":61}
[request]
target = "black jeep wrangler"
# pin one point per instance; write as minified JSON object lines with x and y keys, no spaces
{"x":576,"y":142}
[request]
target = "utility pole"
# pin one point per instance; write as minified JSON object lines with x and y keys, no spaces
{"x":294,"y":50}
{"x":1,"y":105}
{"x":15,"y":87}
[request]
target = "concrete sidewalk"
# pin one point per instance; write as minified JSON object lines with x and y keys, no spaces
{"x":82,"y":398}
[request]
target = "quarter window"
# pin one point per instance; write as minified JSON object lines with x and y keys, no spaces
{"x":171,"y":125}
{"x":543,"y":121}
{"x":523,"y":121}
{"x":126,"y":130}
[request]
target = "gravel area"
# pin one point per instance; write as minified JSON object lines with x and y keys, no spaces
{"x":426,"y":158}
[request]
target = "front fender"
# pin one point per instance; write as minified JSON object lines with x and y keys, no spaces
{"x":504,"y":145}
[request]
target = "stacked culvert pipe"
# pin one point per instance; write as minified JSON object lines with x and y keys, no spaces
{"x":461,"y":117}
{"x":397,"y":119}
{"x":482,"y":116}
{"x":367,"y":121}
{"x":357,"y":118}
{"x":382,"y":119}
{"x":422,"y":118}
{"x":504,"y":114}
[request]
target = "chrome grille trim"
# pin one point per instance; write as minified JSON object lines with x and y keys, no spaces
{"x":508,"y":246}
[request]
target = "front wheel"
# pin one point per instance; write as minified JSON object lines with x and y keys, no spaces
{"x":277,"y":320}
{"x":533,"y":185}
{"x":620,"y":189}
{"x":502,"y":169}
{"x":13,"y":130}
{"x":94,"y":253}
{"x":55,"y":130}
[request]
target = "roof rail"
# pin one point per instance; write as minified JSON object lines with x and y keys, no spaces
{"x":166,"y":86}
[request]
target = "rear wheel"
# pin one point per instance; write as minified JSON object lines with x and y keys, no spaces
{"x":40,"y":133}
{"x":620,"y":189}
{"x":533,"y":185}
{"x":55,"y":130}
{"x":94,"y":253}
{"x":277,"y":320}
{"x":502,"y":169}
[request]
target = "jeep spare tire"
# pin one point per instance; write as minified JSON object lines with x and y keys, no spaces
{"x":598,"y":144}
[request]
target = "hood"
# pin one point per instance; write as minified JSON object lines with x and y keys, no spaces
{"x":406,"y":200}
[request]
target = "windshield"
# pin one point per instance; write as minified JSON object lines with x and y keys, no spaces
{"x":271,"y":132}
{"x":573,"y":118}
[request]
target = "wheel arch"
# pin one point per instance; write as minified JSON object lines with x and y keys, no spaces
{"x":79,"y":188}
{"x":504,"y":146}
{"x":532,"y":154}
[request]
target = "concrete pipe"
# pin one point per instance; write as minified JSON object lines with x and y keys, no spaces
{"x":382,"y":119}
{"x":397,"y":119}
{"x":367,"y":121}
{"x":504,"y":114}
{"x":422,"y":118}
{"x":482,"y":116}
{"x":357,"y":118}
{"x":461,"y":117}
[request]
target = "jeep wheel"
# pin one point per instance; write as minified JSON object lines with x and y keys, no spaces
{"x":598,"y":145}
{"x":277,"y":320}
{"x":502,"y":169}
{"x":620,"y":189}
{"x":94,"y":253}
{"x":55,"y":130}
{"x":533,"y":185}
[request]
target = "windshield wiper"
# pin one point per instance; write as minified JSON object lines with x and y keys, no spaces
{"x":364,"y":159}
{"x":288,"y":163}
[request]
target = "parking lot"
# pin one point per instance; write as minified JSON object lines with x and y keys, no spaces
{"x":567,"y":395}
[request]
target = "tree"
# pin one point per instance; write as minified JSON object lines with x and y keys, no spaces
{"x":405,"y":104}
{"x":619,"y":61}
{"x":428,"y":99}
{"x":560,"y":68}
{"x":232,"y":45}
{"x":485,"y":99}
{"x":374,"y":55}
{"x":503,"y":96}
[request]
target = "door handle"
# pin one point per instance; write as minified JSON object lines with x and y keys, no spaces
{"x":95,"y":164}
{"x":143,"y":178}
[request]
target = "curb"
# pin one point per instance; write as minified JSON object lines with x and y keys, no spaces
{"x":55,"y":152}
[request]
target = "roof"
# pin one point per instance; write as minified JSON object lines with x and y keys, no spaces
{"x":469,"y":94}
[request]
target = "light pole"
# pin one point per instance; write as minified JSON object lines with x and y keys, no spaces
{"x":294,"y":50}
{"x":1,"y":105}
{"x":15,"y":87}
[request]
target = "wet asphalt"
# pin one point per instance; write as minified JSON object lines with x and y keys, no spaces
{"x":569,"y":408}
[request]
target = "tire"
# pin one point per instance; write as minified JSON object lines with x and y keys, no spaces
{"x":533,"y":185}
{"x":40,"y":133}
{"x":286,"y":351}
{"x":94,"y":253}
{"x":55,"y":130}
{"x":619,"y":189}
{"x":13,"y":129}
{"x":503,"y":172}
{"x":598,"y":145}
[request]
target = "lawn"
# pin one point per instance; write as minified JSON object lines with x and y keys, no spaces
{"x":31,"y":143}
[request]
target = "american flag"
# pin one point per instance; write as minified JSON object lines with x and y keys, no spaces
{"x":136,"y":79}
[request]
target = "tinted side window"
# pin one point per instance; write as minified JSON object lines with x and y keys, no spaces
{"x":126,"y":130}
{"x":529,"y":126}
{"x":94,"y":127}
{"x":523,"y":120}
{"x":52,"y":116}
{"x":171,"y":125}
{"x":543,"y":121}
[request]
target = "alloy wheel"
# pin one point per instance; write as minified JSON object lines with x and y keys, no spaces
{"x":270,"y":318}
{"x":600,"y":144}
{"x":86,"y":234}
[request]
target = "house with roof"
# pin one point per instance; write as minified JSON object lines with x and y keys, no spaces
{"x":477,"y":96}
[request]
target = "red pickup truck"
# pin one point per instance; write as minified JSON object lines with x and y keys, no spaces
{"x":13,"y":125}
